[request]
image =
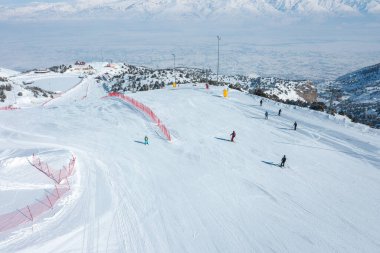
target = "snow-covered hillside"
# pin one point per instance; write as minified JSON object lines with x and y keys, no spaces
{"x":198,"y":193}
{"x":5,"y":73}
{"x":279,"y":89}
{"x":125,"y":77}
{"x":31,"y":88}
{"x":187,"y":8}
{"x":14,"y":94}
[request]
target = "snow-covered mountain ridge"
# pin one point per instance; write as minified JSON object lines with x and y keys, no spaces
{"x":355,"y":94}
{"x":358,"y":94}
{"x":131,"y":78}
{"x":197,"y":8}
{"x":120,"y":77}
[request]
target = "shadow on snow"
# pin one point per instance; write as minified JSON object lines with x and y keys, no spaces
{"x":284,"y":128}
{"x":222,"y":139}
{"x":271,"y":163}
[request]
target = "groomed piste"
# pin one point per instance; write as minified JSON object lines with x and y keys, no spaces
{"x":190,"y":189}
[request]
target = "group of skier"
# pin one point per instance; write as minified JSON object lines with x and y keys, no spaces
{"x":279,"y":114}
{"x":283,"y":159}
{"x":233,"y":134}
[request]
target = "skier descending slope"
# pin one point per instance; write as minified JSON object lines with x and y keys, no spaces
{"x":283,"y":160}
{"x":233,"y":135}
{"x":295,"y":125}
{"x":279,"y":112}
{"x":266,"y":115}
{"x":146,"y":140}
{"x":261,"y":102}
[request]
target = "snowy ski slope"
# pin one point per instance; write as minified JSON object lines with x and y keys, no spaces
{"x":197,"y":193}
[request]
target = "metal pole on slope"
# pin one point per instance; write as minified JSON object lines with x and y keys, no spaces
{"x":174,"y":69}
{"x":217,"y":69}
{"x":331,"y":89}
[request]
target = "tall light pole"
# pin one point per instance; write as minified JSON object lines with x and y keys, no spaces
{"x":217,"y":69}
{"x":332,"y":96}
{"x":174,"y":69}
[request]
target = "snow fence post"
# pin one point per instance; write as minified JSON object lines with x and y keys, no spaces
{"x":67,"y":182}
{"x":57,"y":191}
{"x":30,"y":213}
{"x":49,"y":174}
{"x":51,"y":205}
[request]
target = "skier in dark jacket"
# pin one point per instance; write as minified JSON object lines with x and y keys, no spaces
{"x":279,"y":112}
{"x":146,"y":140}
{"x":233,"y":135}
{"x":283,"y":160}
{"x":295,"y":125}
{"x":266,"y":115}
{"x":261,"y":102}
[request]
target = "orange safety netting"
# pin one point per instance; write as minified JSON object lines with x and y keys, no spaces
{"x":8,"y":108}
{"x":144,"y":109}
{"x":56,"y":175}
{"x":30,"y":212}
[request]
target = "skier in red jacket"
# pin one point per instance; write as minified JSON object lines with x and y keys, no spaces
{"x":233,"y":135}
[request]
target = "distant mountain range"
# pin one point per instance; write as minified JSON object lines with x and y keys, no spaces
{"x":360,"y":94}
{"x":356,"y":94}
{"x":191,"y":8}
{"x":361,"y":85}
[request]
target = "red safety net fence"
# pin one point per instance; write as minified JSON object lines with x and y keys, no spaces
{"x":51,"y":99}
{"x":56,"y":175}
{"x":145,"y":109}
{"x":58,"y":95}
{"x":30,"y":212}
{"x":8,"y":108}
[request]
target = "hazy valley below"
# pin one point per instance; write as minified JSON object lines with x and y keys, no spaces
{"x":316,"y":50}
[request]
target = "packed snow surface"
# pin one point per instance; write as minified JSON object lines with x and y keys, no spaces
{"x":199,"y":192}
{"x":7,"y":72}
